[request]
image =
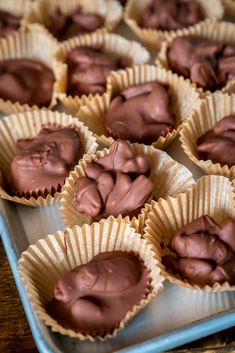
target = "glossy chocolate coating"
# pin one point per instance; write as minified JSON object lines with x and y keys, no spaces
{"x":205,"y":252}
{"x":206,"y":63}
{"x":140,"y":113}
{"x":171,"y":14}
{"x":88,"y":69}
{"x":94,"y":298}
{"x":8,"y":23}
{"x":218,"y":144}
{"x":77,"y":23}
{"x":26,"y":81}
{"x":115,"y":184}
{"x":44,"y":161}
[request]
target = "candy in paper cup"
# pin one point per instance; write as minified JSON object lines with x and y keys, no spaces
{"x":50,"y":258}
{"x":152,"y":38}
{"x":213,"y":109}
{"x":27,"y":43}
{"x":212,"y":196}
{"x":168,"y":177}
{"x":111,"y":44}
{"x":229,"y":7}
{"x":183,"y":96}
{"x":27,"y":125}
{"x":19,"y":8}
{"x":222,"y":32}
{"x":111,"y":11}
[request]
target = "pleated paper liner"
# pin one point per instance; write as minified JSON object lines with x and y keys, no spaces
{"x":184,"y":100}
{"x":17,"y":8}
{"x":213,"y":109}
{"x":212,"y":196}
{"x":112,"y":44}
{"x":45,"y":262}
{"x":32,"y":42}
{"x":168,"y":177}
{"x":229,"y":7}
{"x":152,"y":38}
{"x":28,"y":125}
{"x":223,"y":32}
{"x":111,"y":11}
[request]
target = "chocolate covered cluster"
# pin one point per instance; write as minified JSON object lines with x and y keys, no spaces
{"x":26,"y":81}
{"x":208,"y":64}
{"x":140,"y":113}
{"x":115,"y":184}
{"x":76,"y":23}
{"x":8,"y":23}
{"x":205,"y":252}
{"x":94,"y":298}
{"x":171,"y":15}
{"x":218,"y":144}
{"x":88,"y":69}
{"x":43,"y":162}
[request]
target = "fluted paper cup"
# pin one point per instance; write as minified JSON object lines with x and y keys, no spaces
{"x":152,"y":38}
{"x":213,"y":109}
{"x":183,"y":96}
{"x":212,"y":196}
{"x":27,"y":125}
{"x":168,"y":177}
{"x":40,"y":270}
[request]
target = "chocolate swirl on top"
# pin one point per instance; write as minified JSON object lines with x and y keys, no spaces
{"x":205,"y":252}
{"x":140,"y":113}
{"x":76,"y":23}
{"x":115,"y":184}
{"x":218,"y":144}
{"x":8,"y":23}
{"x":94,"y":298}
{"x":171,"y":15}
{"x":45,"y":161}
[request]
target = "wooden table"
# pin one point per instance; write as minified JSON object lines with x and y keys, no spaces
{"x":15,"y":335}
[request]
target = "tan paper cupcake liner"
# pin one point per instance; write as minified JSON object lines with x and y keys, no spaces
{"x":168,"y":177}
{"x":33,"y":43}
{"x":111,"y":11}
{"x":213,"y":109}
{"x":184,"y":100}
{"x":40,"y":269}
{"x":152,"y":38}
{"x":17,"y":8}
{"x":28,"y":125}
{"x":223,"y":32}
{"x":212,"y":196}
{"x":112,"y":44}
{"x":229,"y":6}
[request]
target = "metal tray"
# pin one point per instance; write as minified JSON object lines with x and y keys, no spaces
{"x":177,"y":316}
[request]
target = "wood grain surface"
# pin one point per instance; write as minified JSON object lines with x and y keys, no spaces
{"x":15,"y":335}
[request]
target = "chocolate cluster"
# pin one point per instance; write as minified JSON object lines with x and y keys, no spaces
{"x":76,"y":23}
{"x":44,"y":162}
{"x":94,"y":298}
{"x":210,"y":65}
{"x":140,"y":113}
{"x":115,"y":184}
{"x":88,"y":69}
{"x":8,"y":23}
{"x":218,"y":144}
{"x":205,"y":252}
{"x":26,"y":81}
{"x":170,"y":15}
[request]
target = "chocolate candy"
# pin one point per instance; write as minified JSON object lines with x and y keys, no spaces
{"x":218,"y":144}
{"x":76,"y":23}
{"x":94,"y":298}
{"x":206,"y":63}
{"x":171,"y":14}
{"x":8,"y":23}
{"x":205,"y":252}
{"x":44,"y":161}
{"x":140,"y":113}
{"x":26,"y":81}
{"x":115,"y":184}
{"x":88,"y":69}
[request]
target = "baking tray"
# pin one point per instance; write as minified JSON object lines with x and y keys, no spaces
{"x":175,"y":317}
